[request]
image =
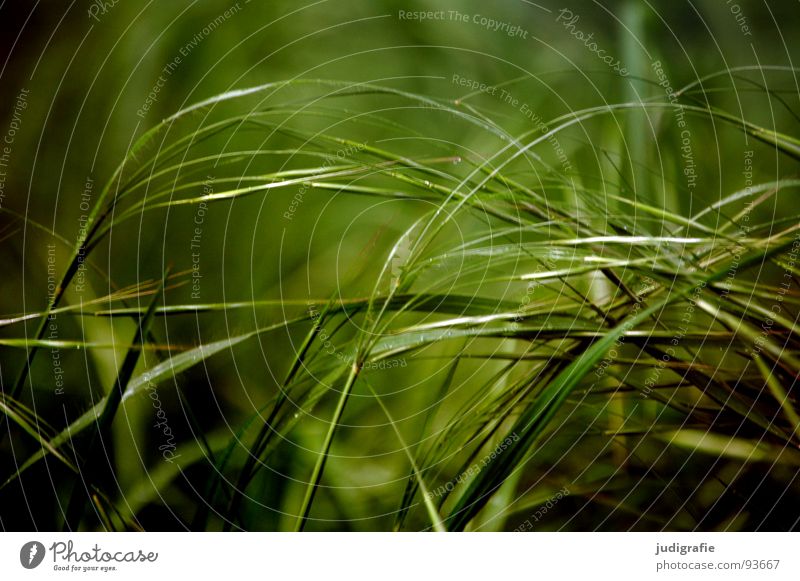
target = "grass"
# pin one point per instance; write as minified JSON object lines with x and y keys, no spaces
{"x":642,"y":356}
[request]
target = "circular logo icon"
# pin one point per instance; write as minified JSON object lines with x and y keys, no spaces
{"x":31,"y":554}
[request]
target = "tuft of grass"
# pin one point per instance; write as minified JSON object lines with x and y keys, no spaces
{"x":526,"y":309}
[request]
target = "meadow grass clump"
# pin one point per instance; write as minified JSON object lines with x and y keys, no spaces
{"x":456,"y":332}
